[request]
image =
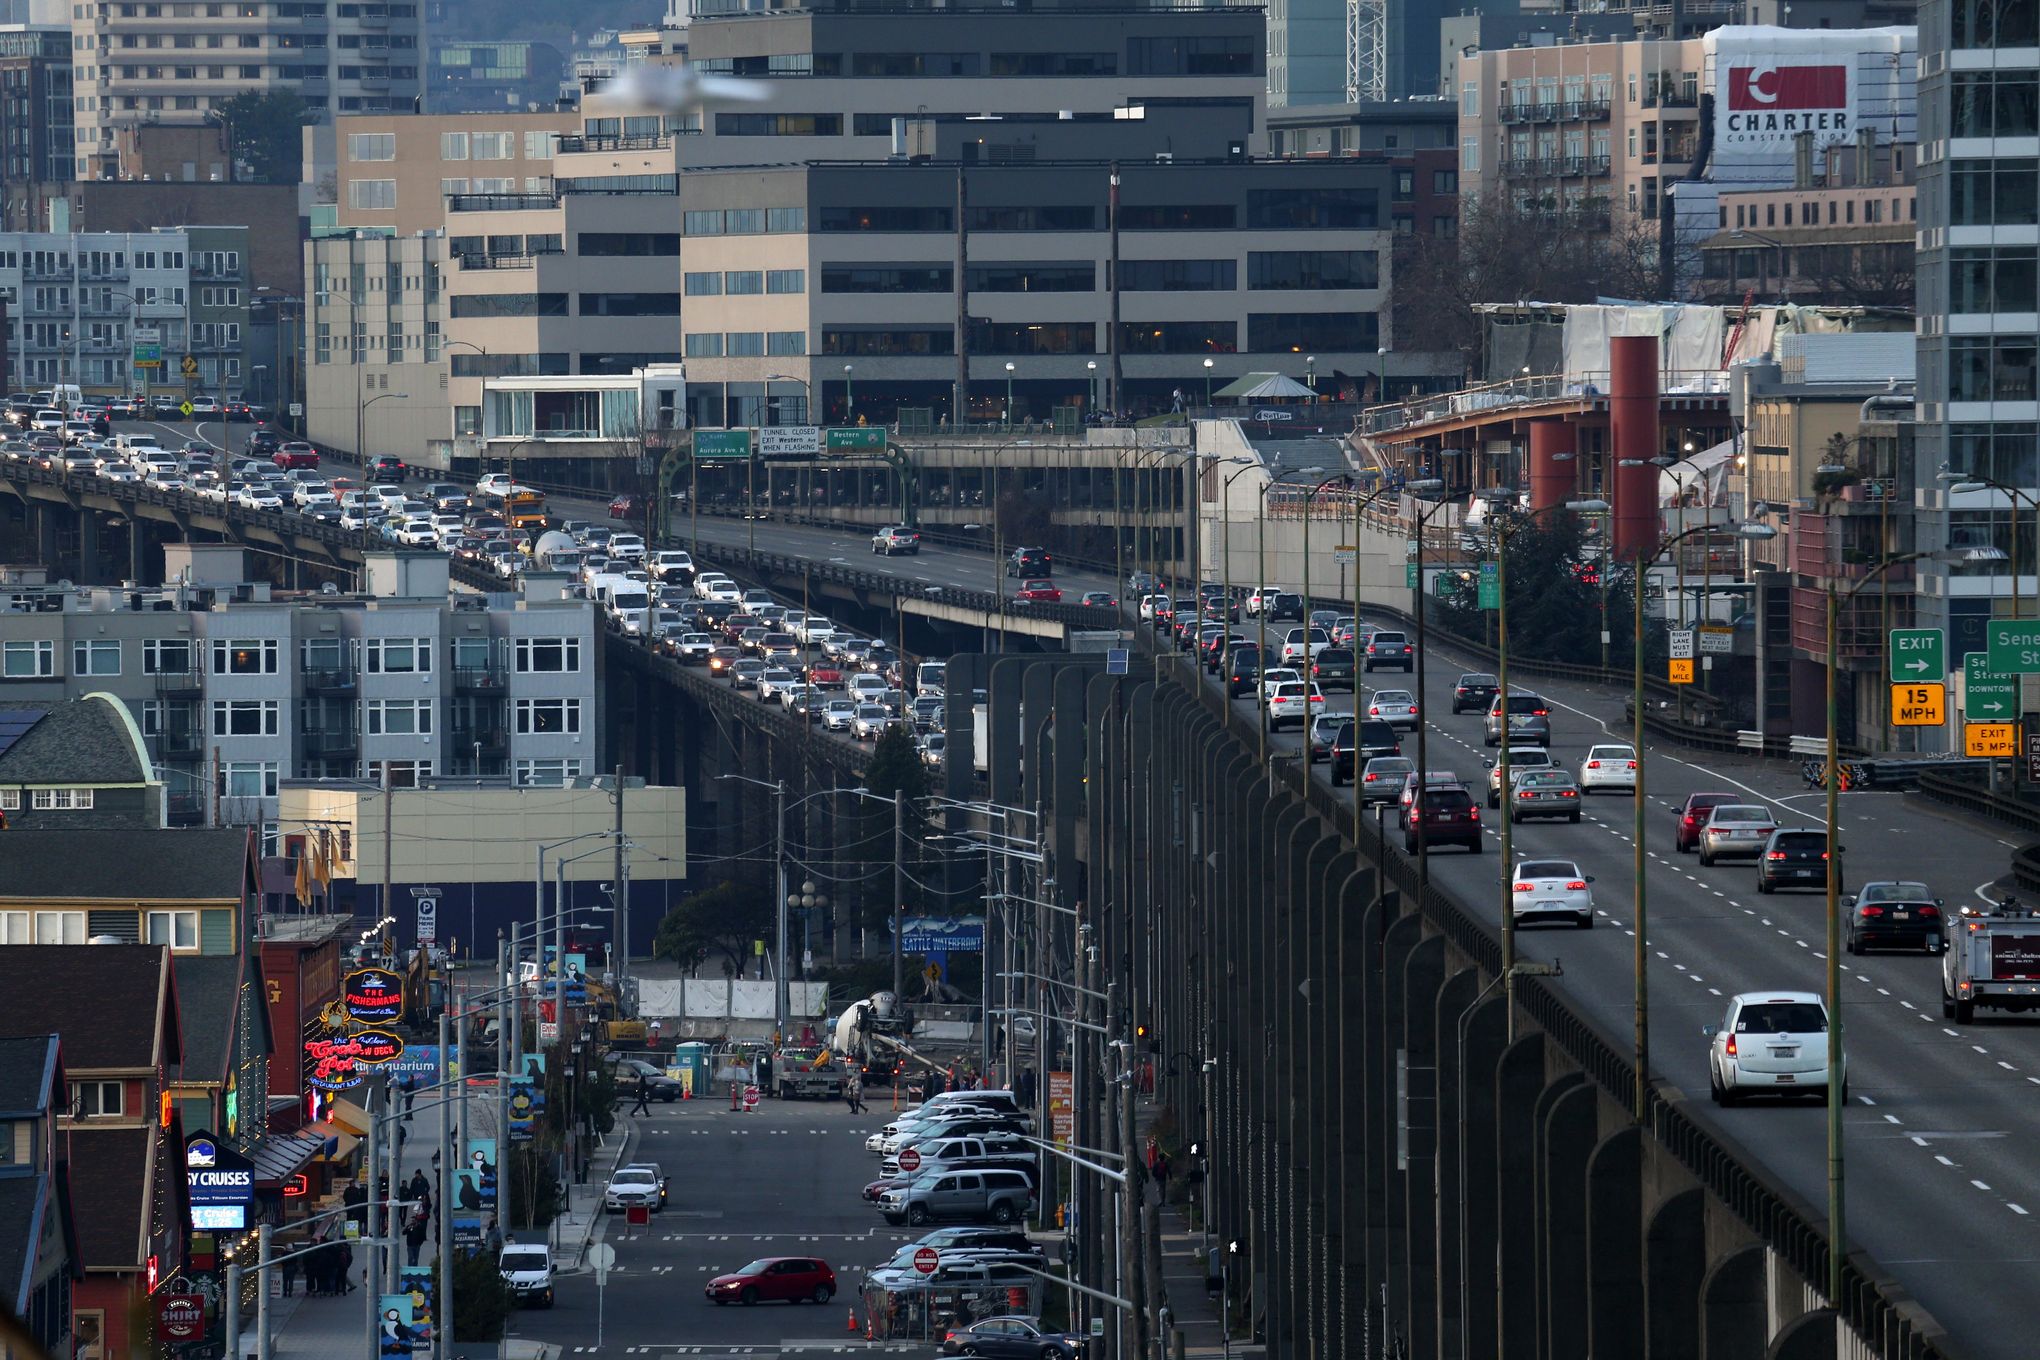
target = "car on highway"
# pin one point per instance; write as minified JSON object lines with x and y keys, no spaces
{"x":773,"y":681}
{"x":1734,"y":831}
{"x":933,"y":747}
{"x":694,"y":649}
{"x":1795,"y":857}
{"x":1335,"y":668}
{"x":295,"y":453}
{"x":1292,"y":702}
{"x":1299,"y":647}
{"x":387,"y":468}
{"x":1390,"y":649}
{"x":1693,"y":817}
{"x":1551,"y":890}
{"x":1276,"y":675}
{"x":1442,"y":817}
{"x":672,"y":565}
{"x":1889,"y":914}
{"x":838,"y":715}
{"x":1242,"y":670}
{"x":1473,"y":692}
{"x":259,"y":497}
{"x":260,"y":443}
{"x":1026,"y":562}
{"x":871,"y":722}
{"x":1099,"y":599}
{"x":1770,"y":1043}
{"x":1381,"y":777}
{"x":527,"y":1270}
{"x":1015,"y":1335}
{"x":1396,"y":707}
{"x":1285,"y":604}
{"x":743,"y":672}
{"x":629,"y":547}
{"x":632,"y":1187}
{"x":775,"y":1279}
{"x":447,"y":496}
{"x":624,"y":507}
{"x":895,"y":539}
{"x":1324,"y":730}
{"x":204,"y":406}
{"x":1545,"y":793}
{"x":1436,"y":779}
{"x":49,"y":419}
{"x":1038,"y":592}
{"x":1529,"y":720}
{"x":1608,"y":767}
{"x":1522,"y":760}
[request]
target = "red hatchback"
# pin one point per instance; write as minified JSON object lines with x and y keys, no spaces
{"x":1038,"y":592}
{"x":1693,"y":817}
{"x":789,"y":1278}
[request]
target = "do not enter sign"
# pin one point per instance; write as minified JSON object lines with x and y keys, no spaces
{"x":926,"y":1259}
{"x":910,"y":1160}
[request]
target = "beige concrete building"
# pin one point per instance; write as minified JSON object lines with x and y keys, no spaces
{"x":173,"y":61}
{"x":375,"y":376}
{"x":1834,"y":239}
{"x":393,"y":171}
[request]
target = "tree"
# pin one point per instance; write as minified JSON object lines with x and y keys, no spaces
{"x":895,"y":772}
{"x":724,"y":920}
{"x":1554,"y":596}
{"x":482,"y":1303}
{"x":266,"y":131}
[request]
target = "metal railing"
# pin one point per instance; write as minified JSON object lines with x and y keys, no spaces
{"x":1523,"y":391}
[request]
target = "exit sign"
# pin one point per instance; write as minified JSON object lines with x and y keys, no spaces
{"x":1919,"y":656}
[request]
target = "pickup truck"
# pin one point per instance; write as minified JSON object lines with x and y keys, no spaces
{"x":795,"y":1076}
{"x":1992,"y":961}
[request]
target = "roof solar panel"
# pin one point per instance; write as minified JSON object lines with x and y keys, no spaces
{"x":14,"y":722}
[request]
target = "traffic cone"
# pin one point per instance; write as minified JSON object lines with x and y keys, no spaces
{"x":852,"y":1327}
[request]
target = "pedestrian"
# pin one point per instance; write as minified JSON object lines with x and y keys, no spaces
{"x":414,"y":1236}
{"x":419,"y":1190}
{"x":644,"y":1097}
{"x":853,"y":1092}
{"x":1176,"y":402}
{"x":1026,"y":1091}
{"x":290,"y":1274}
{"x":1161,"y":1170}
{"x":346,"y":1269}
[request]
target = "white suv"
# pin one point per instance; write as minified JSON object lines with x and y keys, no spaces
{"x":1770,"y":1043}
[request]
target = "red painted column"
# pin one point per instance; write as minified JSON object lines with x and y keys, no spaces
{"x":1633,"y":434}
{"x":1551,"y":478}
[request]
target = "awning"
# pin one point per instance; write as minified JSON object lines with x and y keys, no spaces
{"x":341,"y":1141}
{"x":345,"y":1114}
{"x":282,"y":1156}
{"x":1701,"y":476}
{"x":1262,"y":387}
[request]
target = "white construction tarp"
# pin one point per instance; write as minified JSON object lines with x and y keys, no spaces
{"x":723,"y":999}
{"x":1689,"y":343}
{"x":1697,"y":479}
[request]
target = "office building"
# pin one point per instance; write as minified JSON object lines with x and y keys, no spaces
{"x":1978,"y":315}
{"x":236,"y":688}
{"x":375,"y":373}
{"x":90,"y":308}
{"x":1843,"y":236}
{"x":395,"y":171}
{"x":173,"y":62}
{"x":37,"y":135}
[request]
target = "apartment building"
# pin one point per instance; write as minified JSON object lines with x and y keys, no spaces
{"x":91,"y":307}
{"x":1618,"y":124}
{"x":1978,"y":314}
{"x":236,"y":688}
{"x":37,"y":138}
{"x":375,"y":373}
{"x":396,"y":171}
{"x":1841,"y":238}
{"x":172,"y":61}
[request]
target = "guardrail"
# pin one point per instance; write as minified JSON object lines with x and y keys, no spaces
{"x":280,"y":522}
{"x":1980,"y":800}
{"x":1873,"y":1304}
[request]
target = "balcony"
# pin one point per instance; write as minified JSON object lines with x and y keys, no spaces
{"x":374,"y":18}
{"x":499,"y":261}
{"x":484,"y":680}
{"x":501,"y":202}
{"x":331,"y":745}
{"x":179,"y":684}
{"x":184,"y":810}
{"x":375,"y":78}
{"x":336,"y":680}
{"x":1590,"y":110}
{"x":491,"y":740}
{"x":178,"y":744}
{"x":650,"y":141}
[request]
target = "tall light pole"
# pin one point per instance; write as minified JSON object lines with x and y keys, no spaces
{"x":361,"y":423}
{"x":1207,"y":386}
{"x":849,"y":397}
{"x":1091,"y":366}
{"x":1422,"y":486}
{"x":1225,"y":504}
{"x":1009,"y":394}
{"x":1505,"y":802}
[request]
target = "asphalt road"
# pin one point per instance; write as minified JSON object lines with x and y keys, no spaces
{"x":1940,"y":1190}
{"x":782,"y":1181}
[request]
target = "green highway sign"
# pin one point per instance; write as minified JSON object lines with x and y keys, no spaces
{"x":722,"y":444}
{"x":855,"y":437}
{"x":1490,"y":586}
{"x":1919,"y":656}
{"x":2014,"y":646}
{"x":1410,"y":575}
{"x":1988,"y":696}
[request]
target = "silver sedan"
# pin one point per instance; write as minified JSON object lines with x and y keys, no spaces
{"x":1735,"y":831}
{"x":1396,"y":707}
{"x":1545,"y":793}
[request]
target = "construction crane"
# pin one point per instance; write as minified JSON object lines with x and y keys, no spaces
{"x":1742,"y":322}
{"x":1366,"y":50}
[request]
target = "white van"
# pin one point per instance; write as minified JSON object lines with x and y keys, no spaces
{"x":625,"y":600}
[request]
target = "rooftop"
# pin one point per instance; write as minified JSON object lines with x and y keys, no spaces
{"x":103,"y":999}
{"x":128,"y":866}
{"x":92,"y":740}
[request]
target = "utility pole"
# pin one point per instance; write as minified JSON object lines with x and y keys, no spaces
{"x":449,"y":1162}
{"x":620,"y":933}
{"x":899,"y":888}
{"x":781,"y":999}
{"x":389,"y":819}
{"x":1112,"y":290}
{"x":504,"y":1072}
{"x":960,"y":403}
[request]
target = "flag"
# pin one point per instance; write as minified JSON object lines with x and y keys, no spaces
{"x":322,"y":867}
{"x":303,"y":882}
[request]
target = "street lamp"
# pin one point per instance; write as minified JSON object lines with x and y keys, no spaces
{"x":1207,"y":386}
{"x":849,"y":396}
{"x":1750,"y":532}
{"x":1421,"y":486}
{"x":1009,"y":394}
{"x":1225,"y":504}
{"x":1310,"y":376}
{"x":1261,"y":593}
{"x":361,"y":421}
{"x":1963,"y":482}
{"x":807,"y":901}
{"x":1092,"y":365}
{"x":1505,"y":801}
{"x":1835,"y":1077}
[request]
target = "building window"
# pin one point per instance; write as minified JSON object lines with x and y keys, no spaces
{"x":371,"y":146}
{"x":884,"y":340}
{"x":1313,"y":270}
{"x":401,"y":774}
{"x":1469,"y":99}
{"x":1469,"y":154}
{"x":743,"y":282}
{"x":632,"y":243}
{"x":535,"y":773}
{"x":630,"y":304}
{"x":44,"y":927}
{"x":548,"y":656}
{"x":1297,"y":332}
{"x":27,"y":660}
{"x":1179,"y":337}
{"x":399,"y":656}
{"x":249,"y":656}
{"x":548,"y":717}
{"x":61,"y":800}
{"x":453,"y":146}
{"x":246,"y":779}
{"x":786,"y":280}
{"x":786,"y":344}
{"x":10,"y":800}
{"x":887,"y":278}
{"x":95,"y":1099}
{"x":372,"y":195}
{"x":95,"y":658}
{"x":779,"y":124}
{"x":708,"y":283}
{"x":538,"y":146}
{"x":1034,"y":277}
{"x":178,"y":929}
{"x":492,"y":146}
{"x":244,"y":717}
{"x":703,"y":345}
{"x":744,"y":344}
{"x":399,"y":717}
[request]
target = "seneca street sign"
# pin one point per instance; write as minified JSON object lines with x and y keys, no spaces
{"x":2014,"y":646}
{"x":1987,"y":696}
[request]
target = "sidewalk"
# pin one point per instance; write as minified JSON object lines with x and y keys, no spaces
{"x":1196,"y":1329}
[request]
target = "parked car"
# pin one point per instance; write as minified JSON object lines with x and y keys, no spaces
{"x":1001,"y":1196}
{"x":775,"y":1279}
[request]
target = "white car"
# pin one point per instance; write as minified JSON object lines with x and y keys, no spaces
{"x":1396,"y":707}
{"x":774,"y":681}
{"x":866,"y":688}
{"x":630,"y":547}
{"x":870,"y":722}
{"x":1149,"y":604}
{"x":497,"y":484}
{"x":48,"y":420}
{"x":417,"y":533}
{"x":312,"y":500}
{"x":724,"y":590}
{"x":1294,"y":701}
{"x":208,"y":486}
{"x":1296,"y":648}
{"x":121,"y":472}
{"x":1522,"y":759}
{"x":1277,"y":675}
{"x":693,"y":649}
{"x":1770,"y":1043}
{"x":1260,"y":599}
{"x":353,"y":517}
{"x":1608,"y":767}
{"x":838,"y":714}
{"x":670,"y":564}
{"x":1552,"y":890}
{"x":633,"y":1185}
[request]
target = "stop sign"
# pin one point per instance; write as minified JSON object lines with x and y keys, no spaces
{"x":926,"y":1259}
{"x":180,"y":1318}
{"x":910,"y":1160}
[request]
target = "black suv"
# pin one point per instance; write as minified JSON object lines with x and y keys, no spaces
{"x":1285,"y":605}
{"x":1243,"y":671}
{"x":388,"y":468}
{"x":1794,"y":859}
{"x":262,"y":443}
{"x":1449,"y":818}
{"x":1333,"y":669}
{"x":1474,"y":691}
{"x":1030,"y":562}
{"x":1342,"y":754}
{"x":1378,"y":738}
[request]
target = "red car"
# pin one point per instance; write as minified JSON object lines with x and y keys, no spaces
{"x":1038,"y":592}
{"x":792,"y":1278}
{"x":624,"y":507}
{"x":1693,"y":817}
{"x":825,"y":675}
{"x":295,"y":454}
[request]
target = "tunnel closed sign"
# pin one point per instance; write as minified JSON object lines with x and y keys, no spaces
{"x":1919,"y":705}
